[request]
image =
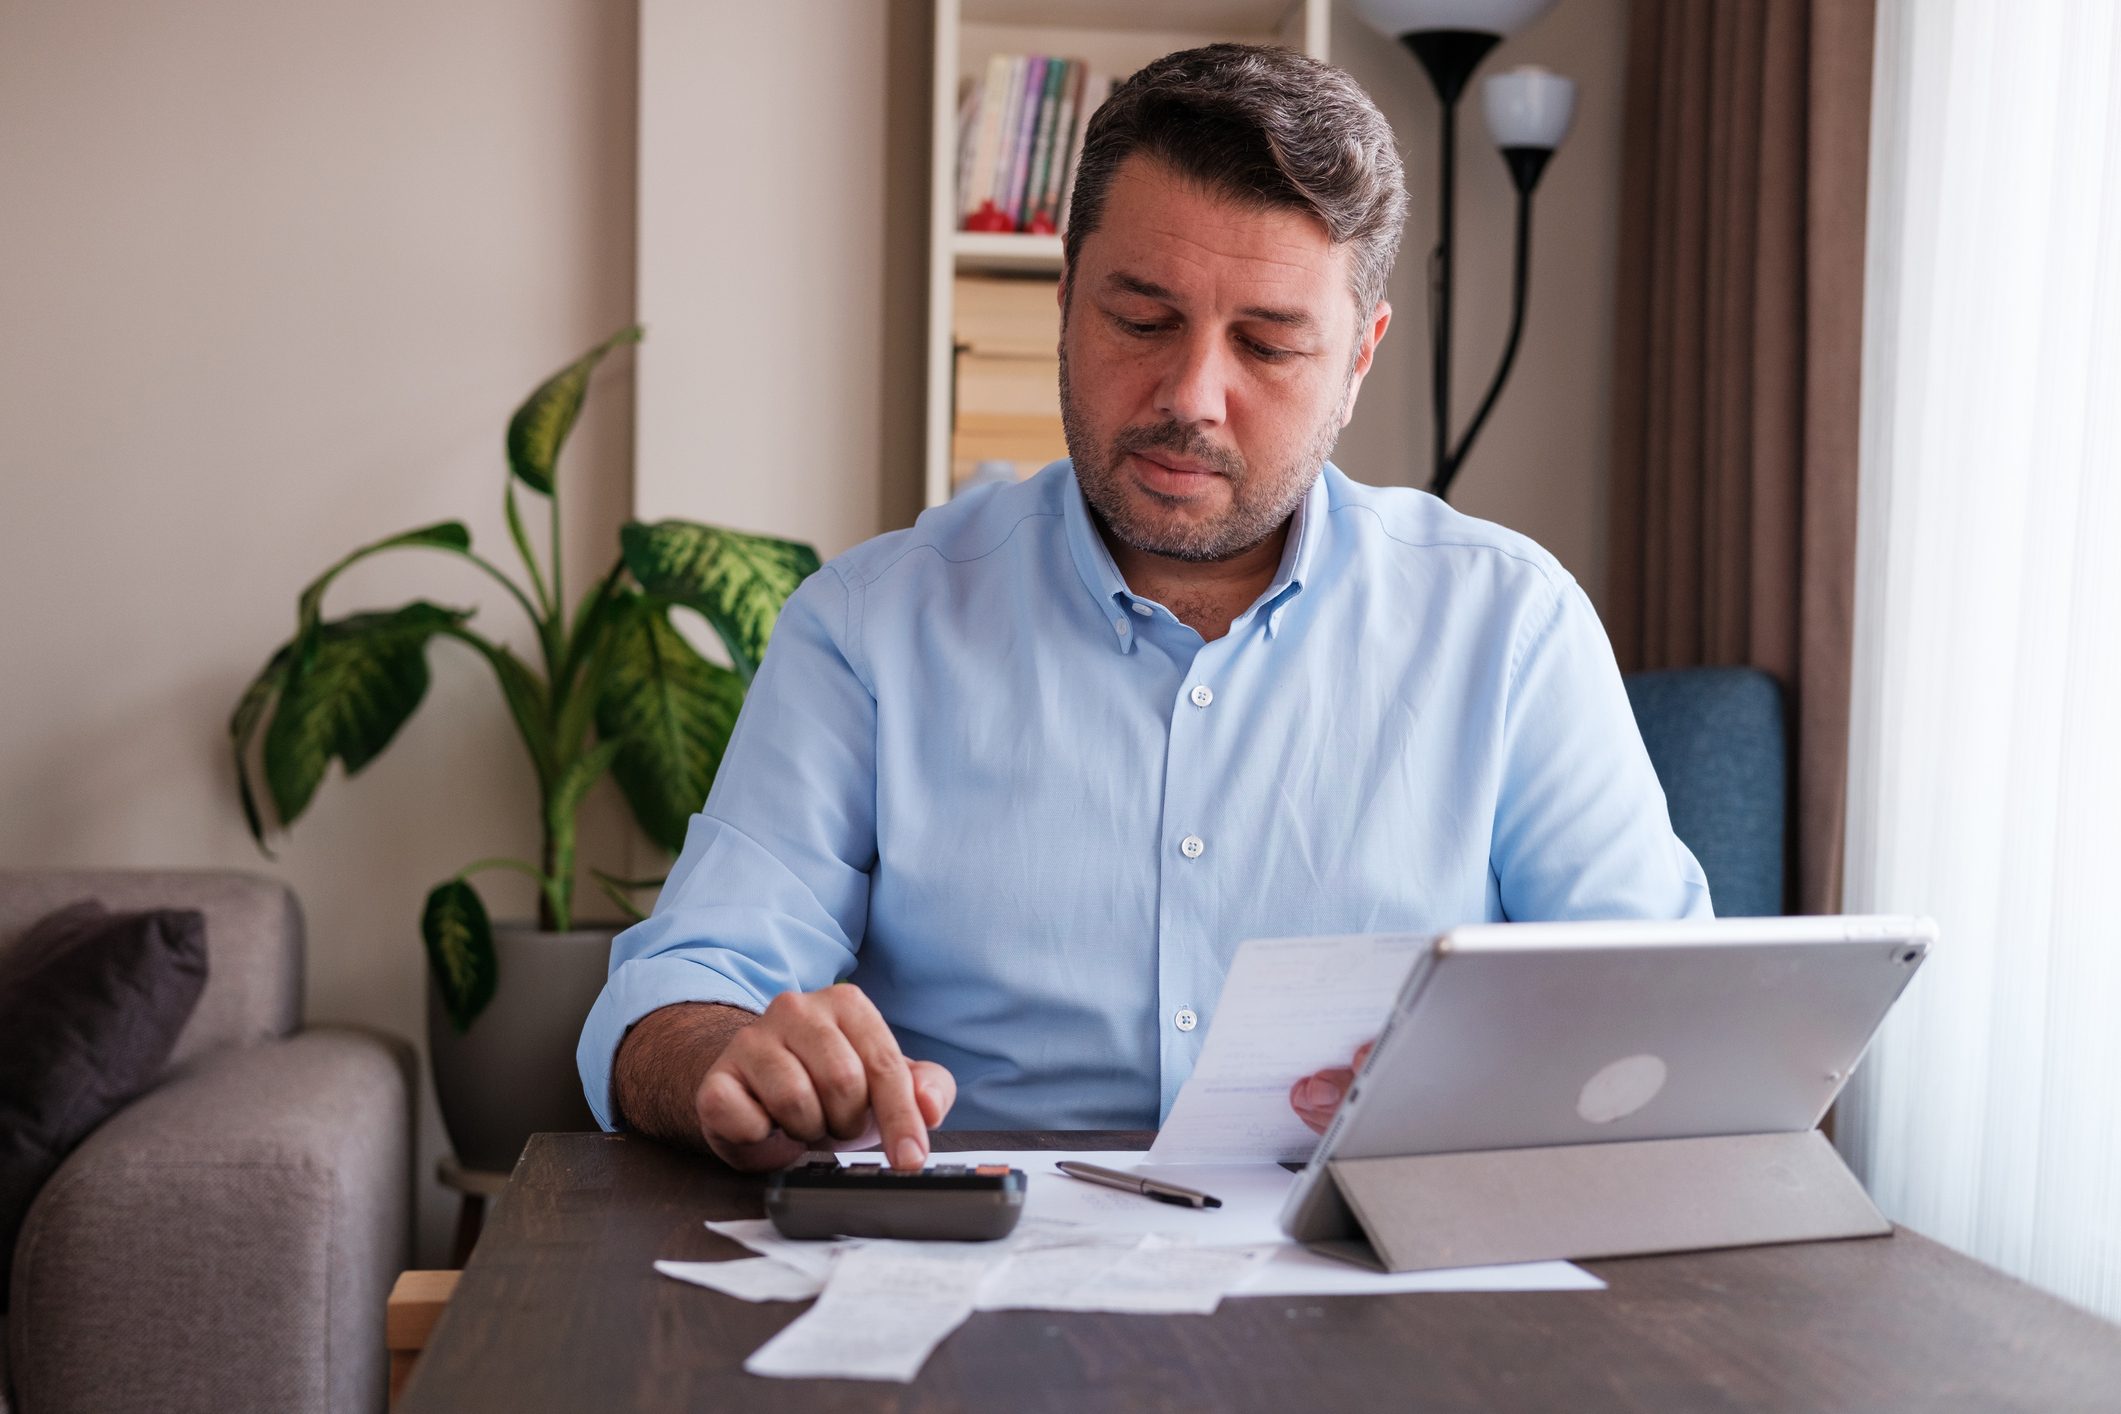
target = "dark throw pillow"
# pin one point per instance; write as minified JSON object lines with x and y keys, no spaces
{"x":90,"y":1006}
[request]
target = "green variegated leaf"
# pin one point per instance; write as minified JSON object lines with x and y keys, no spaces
{"x":669,"y":711}
{"x":243,"y":726}
{"x":362,"y":678}
{"x":738,"y":581}
{"x":540,"y":427}
{"x":460,"y":950}
{"x":524,"y":692}
{"x":446,"y":535}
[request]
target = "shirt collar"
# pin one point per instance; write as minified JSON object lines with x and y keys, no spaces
{"x":1116,"y":603}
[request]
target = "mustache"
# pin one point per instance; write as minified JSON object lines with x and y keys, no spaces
{"x":1187,"y":441}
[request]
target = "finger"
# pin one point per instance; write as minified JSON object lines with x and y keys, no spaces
{"x":1320,"y":1094}
{"x":936,"y":1090}
{"x":1314,"y":1118}
{"x":728,"y":1111}
{"x":898,"y":1114}
{"x":1362,"y":1053}
{"x":776,"y":1151}
{"x":782,"y":1086}
{"x":836,"y":1073}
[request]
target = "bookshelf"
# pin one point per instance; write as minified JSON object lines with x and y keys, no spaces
{"x":1116,"y":36}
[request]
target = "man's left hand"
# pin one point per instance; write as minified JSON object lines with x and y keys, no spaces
{"x":1316,"y":1098}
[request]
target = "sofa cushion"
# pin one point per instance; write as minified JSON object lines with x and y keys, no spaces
{"x":90,"y":1006}
{"x":253,"y":936}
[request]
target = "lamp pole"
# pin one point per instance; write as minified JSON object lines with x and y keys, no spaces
{"x":1528,"y":112}
{"x":1449,"y":57}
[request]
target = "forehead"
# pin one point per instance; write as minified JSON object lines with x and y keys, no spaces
{"x":1207,"y":247}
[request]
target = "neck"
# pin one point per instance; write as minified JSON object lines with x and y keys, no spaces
{"x":1205,"y":594}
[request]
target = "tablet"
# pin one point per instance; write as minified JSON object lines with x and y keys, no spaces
{"x":1526,"y":1035}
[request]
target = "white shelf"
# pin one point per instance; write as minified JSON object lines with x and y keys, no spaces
{"x":993,"y":252}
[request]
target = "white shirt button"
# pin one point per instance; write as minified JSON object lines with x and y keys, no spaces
{"x":1185,"y":1020}
{"x":1192,"y":846}
{"x":1143,"y":609}
{"x":1120,"y":627}
{"x":1202,"y":695}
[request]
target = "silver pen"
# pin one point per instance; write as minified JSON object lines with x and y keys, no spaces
{"x":1135,"y":1183}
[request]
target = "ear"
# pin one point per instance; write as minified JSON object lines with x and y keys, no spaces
{"x":1380,"y":320}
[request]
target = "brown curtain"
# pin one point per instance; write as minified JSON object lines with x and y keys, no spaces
{"x":1739,"y":341}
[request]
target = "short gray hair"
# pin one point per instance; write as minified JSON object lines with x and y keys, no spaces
{"x":1266,"y":125}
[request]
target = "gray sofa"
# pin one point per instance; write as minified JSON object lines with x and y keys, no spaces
{"x":226,"y":1241}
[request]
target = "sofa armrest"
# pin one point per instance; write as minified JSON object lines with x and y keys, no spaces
{"x":225,"y":1242}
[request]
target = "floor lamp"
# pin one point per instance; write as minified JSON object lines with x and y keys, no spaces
{"x":1528,"y":111}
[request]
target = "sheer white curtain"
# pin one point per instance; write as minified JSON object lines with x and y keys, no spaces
{"x":1985,"y":751}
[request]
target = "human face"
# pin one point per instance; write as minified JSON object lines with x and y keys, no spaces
{"x":1210,"y":354}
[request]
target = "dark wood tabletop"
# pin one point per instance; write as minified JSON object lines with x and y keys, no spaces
{"x":560,"y":1309}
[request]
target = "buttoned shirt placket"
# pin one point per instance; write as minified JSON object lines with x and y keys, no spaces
{"x":1200,"y":747}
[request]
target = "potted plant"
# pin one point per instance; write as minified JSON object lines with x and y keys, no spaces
{"x":611,"y":686}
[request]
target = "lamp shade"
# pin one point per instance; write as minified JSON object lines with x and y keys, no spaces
{"x":1528,"y":107}
{"x":1497,"y":17}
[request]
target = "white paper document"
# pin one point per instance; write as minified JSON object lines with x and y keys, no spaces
{"x":762,"y":1237}
{"x":748,"y":1278}
{"x":1250,"y":1216}
{"x":883,"y":1310}
{"x":1145,"y":1275}
{"x":1290,"y":1006}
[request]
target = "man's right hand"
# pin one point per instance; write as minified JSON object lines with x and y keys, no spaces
{"x":815,"y":1067}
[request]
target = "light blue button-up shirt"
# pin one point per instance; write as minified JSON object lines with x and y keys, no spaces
{"x":1032,"y":814}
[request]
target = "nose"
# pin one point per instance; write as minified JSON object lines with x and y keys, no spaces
{"x":1194,"y":385}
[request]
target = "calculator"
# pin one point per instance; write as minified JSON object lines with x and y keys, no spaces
{"x":942,"y":1203}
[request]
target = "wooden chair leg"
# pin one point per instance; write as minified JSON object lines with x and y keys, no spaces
{"x":416,"y":1302}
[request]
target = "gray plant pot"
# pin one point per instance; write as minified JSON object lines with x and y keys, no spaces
{"x":512,"y":1074}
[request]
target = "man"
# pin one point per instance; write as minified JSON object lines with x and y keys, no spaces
{"x":1012,"y":785}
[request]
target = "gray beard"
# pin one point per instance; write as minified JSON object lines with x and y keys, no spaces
{"x":1249,"y":521}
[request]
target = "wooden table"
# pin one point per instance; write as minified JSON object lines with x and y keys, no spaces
{"x":560,"y":1309}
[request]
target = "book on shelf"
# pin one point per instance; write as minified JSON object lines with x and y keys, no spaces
{"x":1026,"y":206}
{"x":1013,"y":317}
{"x":1096,"y":89}
{"x":1014,"y":385}
{"x":986,"y":127}
{"x":1019,"y":132}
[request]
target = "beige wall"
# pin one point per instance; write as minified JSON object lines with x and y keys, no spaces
{"x":271,"y":279}
{"x":783,"y":282}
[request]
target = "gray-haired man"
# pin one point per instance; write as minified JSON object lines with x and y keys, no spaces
{"x":1012,"y":785}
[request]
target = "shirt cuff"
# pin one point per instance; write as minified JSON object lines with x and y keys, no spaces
{"x":632,"y":991}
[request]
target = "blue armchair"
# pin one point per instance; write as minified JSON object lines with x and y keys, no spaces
{"x":1718,"y":741}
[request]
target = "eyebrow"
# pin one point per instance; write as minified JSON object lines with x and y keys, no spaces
{"x":1149,"y":289}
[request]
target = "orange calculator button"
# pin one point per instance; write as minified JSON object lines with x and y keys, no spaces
{"x":991,"y":1170}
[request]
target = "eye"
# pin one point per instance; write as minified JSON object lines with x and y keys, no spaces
{"x":1135,"y":327}
{"x":1267,"y":353}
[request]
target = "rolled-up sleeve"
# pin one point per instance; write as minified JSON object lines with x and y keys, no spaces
{"x":1581,"y":826}
{"x":771,"y":892}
